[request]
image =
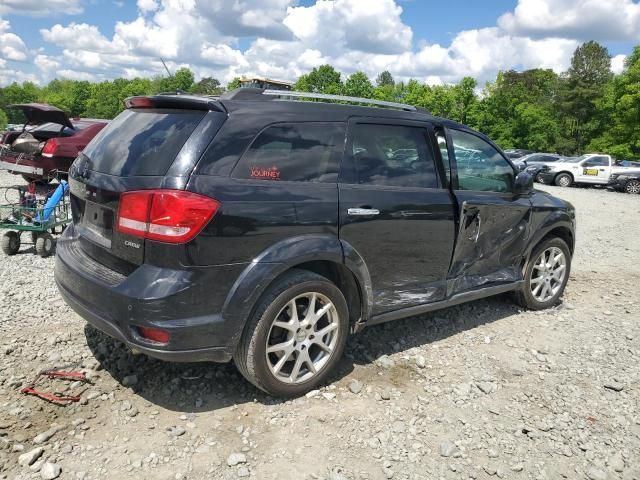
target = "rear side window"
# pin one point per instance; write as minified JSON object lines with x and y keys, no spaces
{"x":302,"y":152}
{"x":141,"y":142}
{"x":390,"y":155}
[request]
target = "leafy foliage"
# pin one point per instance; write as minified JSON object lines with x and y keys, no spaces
{"x":586,"y":108}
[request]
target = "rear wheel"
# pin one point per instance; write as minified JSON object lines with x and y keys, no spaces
{"x":296,"y":335}
{"x":564,"y":180}
{"x":546,"y":275}
{"x":632,"y":186}
{"x":10,"y":243}
{"x":44,"y":245}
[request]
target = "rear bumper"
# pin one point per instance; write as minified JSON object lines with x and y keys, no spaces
{"x":150,"y":297}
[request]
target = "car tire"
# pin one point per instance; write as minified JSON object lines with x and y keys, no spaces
{"x":563,"y":180}
{"x":632,"y":186}
{"x":10,"y":243}
{"x":539,"y":178}
{"x":289,"y":371}
{"x":44,"y":245}
{"x":543,"y":275}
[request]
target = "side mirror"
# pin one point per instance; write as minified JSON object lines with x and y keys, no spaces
{"x":523,"y":184}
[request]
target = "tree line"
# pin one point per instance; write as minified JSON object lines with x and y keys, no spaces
{"x":585,"y":109}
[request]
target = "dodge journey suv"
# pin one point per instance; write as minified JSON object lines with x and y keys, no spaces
{"x":265,"y":228}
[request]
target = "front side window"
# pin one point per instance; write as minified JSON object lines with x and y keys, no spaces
{"x":389,"y":155}
{"x":596,"y":162}
{"x":303,"y":152}
{"x":480,"y":166}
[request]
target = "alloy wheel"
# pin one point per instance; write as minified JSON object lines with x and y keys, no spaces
{"x":547,"y":275}
{"x":633,"y":186}
{"x":303,"y":337}
{"x":564,"y":181}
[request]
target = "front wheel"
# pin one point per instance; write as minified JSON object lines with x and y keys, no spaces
{"x":546,"y":275}
{"x":632,"y":186}
{"x":539,"y":178}
{"x":10,"y":243}
{"x":296,"y":335}
{"x":564,"y":180}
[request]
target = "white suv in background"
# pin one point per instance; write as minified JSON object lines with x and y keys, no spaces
{"x":593,"y":169}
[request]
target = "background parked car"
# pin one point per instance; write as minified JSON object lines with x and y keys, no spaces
{"x":515,"y":153}
{"x":625,"y":182}
{"x":589,"y":169}
{"x":47,"y":144}
{"x":534,"y":162}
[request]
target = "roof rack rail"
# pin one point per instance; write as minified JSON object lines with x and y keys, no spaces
{"x":343,"y":98}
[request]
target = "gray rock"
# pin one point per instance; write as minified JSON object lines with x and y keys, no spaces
{"x":355,"y":387}
{"x":49,"y":471}
{"x":45,"y":436}
{"x":421,"y":361}
{"x":30,"y":457}
{"x":243,"y":472}
{"x":487,"y":387}
{"x":385,"y":394}
{"x":236,"y":458}
{"x":616,"y":462}
{"x":130,"y":380}
{"x":449,"y":449}
{"x":175,"y":431}
{"x":596,"y":474}
{"x":615,"y":386}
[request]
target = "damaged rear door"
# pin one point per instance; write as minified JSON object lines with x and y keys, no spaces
{"x":493,"y":222}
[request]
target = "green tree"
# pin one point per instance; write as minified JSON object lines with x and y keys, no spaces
{"x":233,"y":84}
{"x":385,"y":79}
{"x":3,"y":120}
{"x":181,"y":80}
{"x":358,"y":85}
{"x":583,"y":87}
{"x":323,"y":79}
{"x":208,"y":86}
{"x":621,"y":104}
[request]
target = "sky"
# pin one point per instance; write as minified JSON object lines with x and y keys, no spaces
{"x":432,"y":41}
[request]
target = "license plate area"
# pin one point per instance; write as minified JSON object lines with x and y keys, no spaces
{"x":97,"y":224}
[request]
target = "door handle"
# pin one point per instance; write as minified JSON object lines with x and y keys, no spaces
{"x":362,"y":212}
{"x":602,"y":169}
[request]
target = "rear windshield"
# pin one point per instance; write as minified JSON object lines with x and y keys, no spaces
{"x":142,"y":141}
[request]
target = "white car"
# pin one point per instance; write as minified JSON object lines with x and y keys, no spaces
{"x":590,"y":169}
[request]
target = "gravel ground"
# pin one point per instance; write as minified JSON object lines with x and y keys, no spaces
{"x":477,"y":391}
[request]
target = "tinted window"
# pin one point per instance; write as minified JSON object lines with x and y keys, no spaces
{"x":596,"y":162}
{"x":304,"y":152}
{"x":480,"y":166}
{"x":141,"y":142}
{"x":391,"y":155}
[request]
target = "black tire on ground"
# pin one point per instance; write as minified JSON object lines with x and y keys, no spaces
{"x":563,"y":180}
{"x":632,"y":186}
{"x":44,"y":244}
{"x":251,"y":356}
{"x":539,"y":178}
{"x":524,"y":296}
{"x":10,"y":243}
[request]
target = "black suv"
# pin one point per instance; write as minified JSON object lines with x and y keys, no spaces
{"x":264,"y":229}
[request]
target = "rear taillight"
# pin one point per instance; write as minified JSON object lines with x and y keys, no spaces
{"x":49,"y":148}
{"x":172,"y":216}
{"x":154,"y":335}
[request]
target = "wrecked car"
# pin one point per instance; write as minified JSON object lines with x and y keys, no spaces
{"x":264,"y":229}
{"x":47,"y":144}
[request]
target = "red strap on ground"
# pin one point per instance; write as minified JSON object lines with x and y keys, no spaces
{"x":52,"y":397}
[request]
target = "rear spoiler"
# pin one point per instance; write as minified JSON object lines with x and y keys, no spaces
{"x":187,"y":102}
